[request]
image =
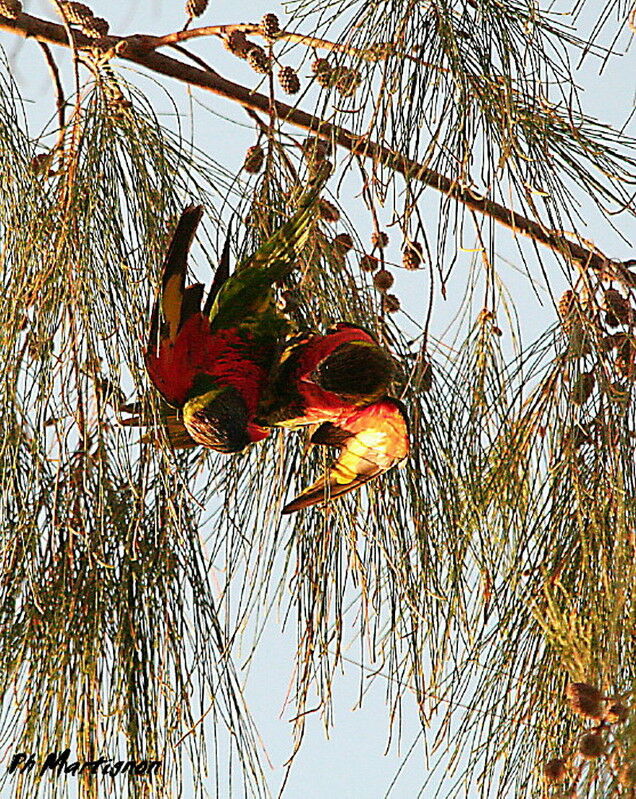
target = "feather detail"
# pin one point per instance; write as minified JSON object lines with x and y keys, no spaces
{"x":220,"y":276}
{"x":371,"y":441}
{"x":174,"y":268}
{"x":248,"y":291}
{"x":323,"y":378}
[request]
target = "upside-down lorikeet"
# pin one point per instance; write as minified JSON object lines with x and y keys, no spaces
{"x":340,"y":381}
{"x":213,"y":363}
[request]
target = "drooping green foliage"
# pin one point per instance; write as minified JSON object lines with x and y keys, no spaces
{"x":480,"y":579}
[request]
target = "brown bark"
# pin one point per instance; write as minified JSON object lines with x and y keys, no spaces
{"x":140,"y":50}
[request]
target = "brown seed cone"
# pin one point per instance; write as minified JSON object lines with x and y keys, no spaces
{"x":316,"y":149}
{"x":379,"y":239}
{"x":237,"y":42}
{"x":625,"y":362}
{"x":289,"y":81}
{"x":320,"y":170}
{"x":320,"y":65}
{"x":336,"y":259}
{"x":624,"y":345}
{"x":194,"y":8}
{"x":77,"y":13}
{"x":426,"y":376}
{"x":323,"y":72}
{"x":383,"y":280}
{"x":328,"y":210}
{"x":579,"y":338}
{"x":611,"y":341}
{"x":96,"y":27}
{"x":617,"y":713}
{"x":592,"y":745}
{"x":323,"y":79}
{"x":583,"y":698}
{"x":625,"y":367}
{"x":10,"y":9}
{"x":254,"y":158}
{"x":412,"y":256}
{"x":567,"y":303}
{"x":343,"y":242}
{"x":258,"y":59}
{"x":555,"y":770}
{"x":579,"y":395}
{"x":41,"y":162}
{"x":619,"y":393}
{"x":270,"y":26}
{"x":347,"y":81}
{"x":379,"y":51}
{"x":390,"y":303}
{"x":369,"y":263}
{"x":617,"y":305}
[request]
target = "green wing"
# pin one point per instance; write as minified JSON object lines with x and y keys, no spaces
{"x":247,"y":292}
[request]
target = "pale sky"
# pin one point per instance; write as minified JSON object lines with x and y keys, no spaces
{"x":351,"y":763}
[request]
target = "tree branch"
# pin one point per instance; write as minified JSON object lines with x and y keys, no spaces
{"x":135,"y":49}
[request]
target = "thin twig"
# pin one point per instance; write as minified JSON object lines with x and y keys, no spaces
{"x":378,"y":53}
{"x":59,"y":91}
{"x":211,"y":81}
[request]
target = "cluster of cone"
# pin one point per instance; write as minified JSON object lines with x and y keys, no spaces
{"x":233,"y":368}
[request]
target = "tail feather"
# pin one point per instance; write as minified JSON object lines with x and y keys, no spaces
{"x":191,"y":302}
{"x":221,"y":275}
{"x":174,"y":275}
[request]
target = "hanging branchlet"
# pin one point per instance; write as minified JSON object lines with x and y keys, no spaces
{"x":450,"y":455}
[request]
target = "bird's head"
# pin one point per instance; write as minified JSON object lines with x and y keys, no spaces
{"x":216,"y":416}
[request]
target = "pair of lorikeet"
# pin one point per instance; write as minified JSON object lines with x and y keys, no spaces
{"x":233,"y":369}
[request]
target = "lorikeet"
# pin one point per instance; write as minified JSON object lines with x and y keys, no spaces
{"x":213,"y":363}
{"x":339,"y":380}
